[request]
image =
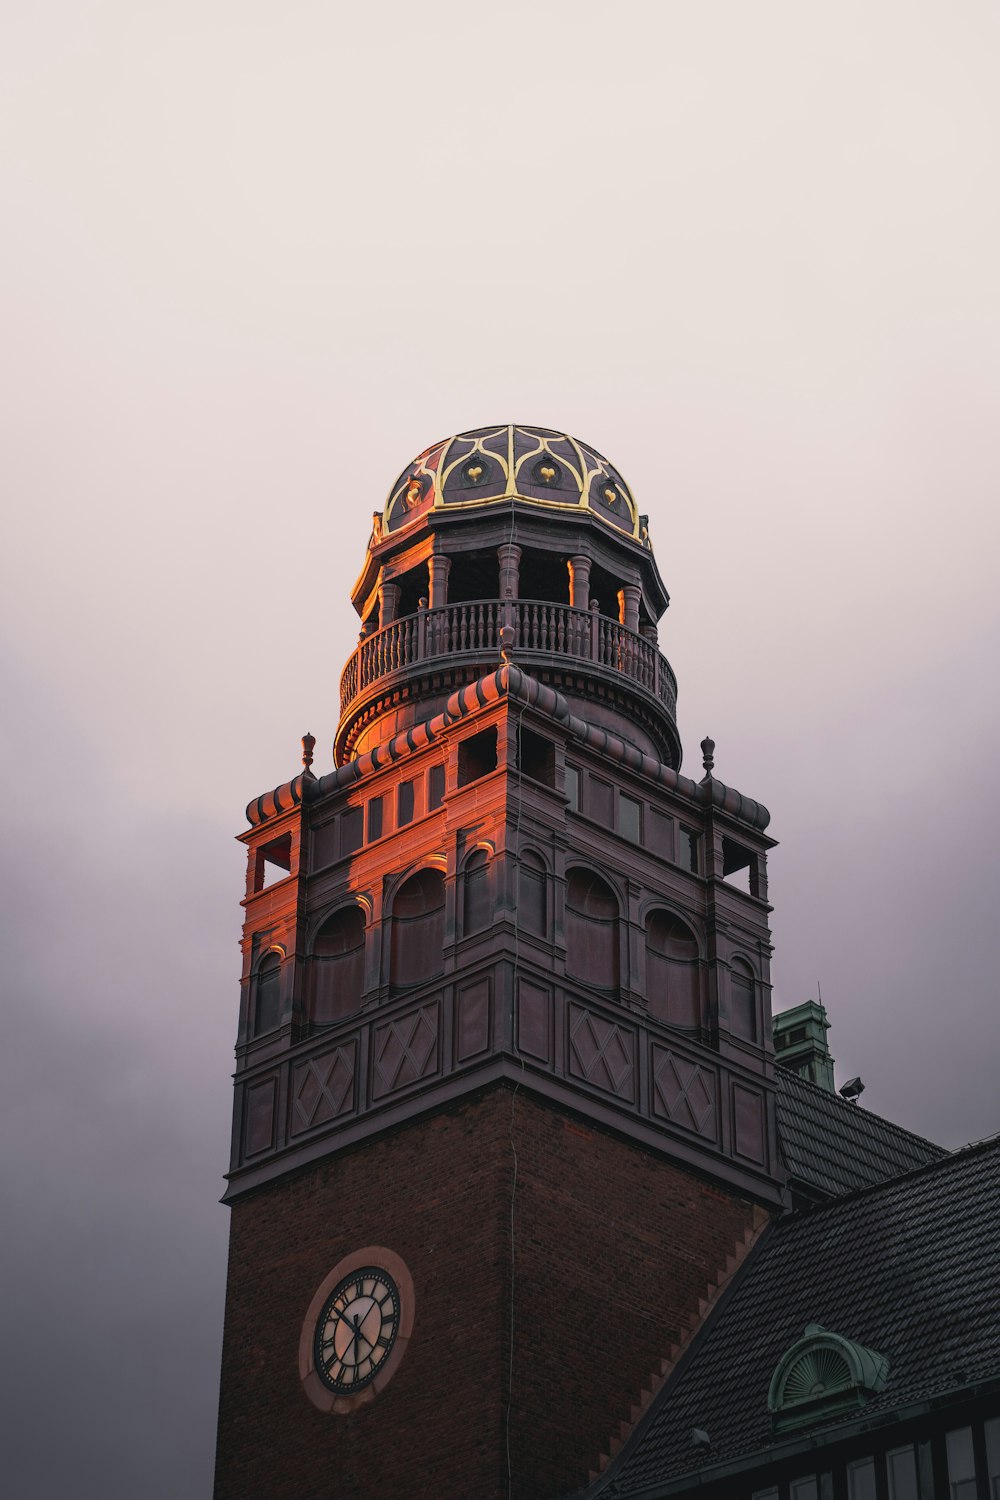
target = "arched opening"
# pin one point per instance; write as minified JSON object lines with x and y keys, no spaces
{"x":532,"y":905}
{"x":416,"y":948}
{"x":743,"y":1003}
{"x":474,"y":576}
{"x":267,"y":994}
{"x":591,"y":930}
{"x":477,"y":906}
{"x":672,"y":971}
{"x":337,"y":975}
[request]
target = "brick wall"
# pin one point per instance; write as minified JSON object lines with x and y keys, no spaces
{"x":613,"y":1247}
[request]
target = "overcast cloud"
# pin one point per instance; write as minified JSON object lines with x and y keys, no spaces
{"x":256,"y":257}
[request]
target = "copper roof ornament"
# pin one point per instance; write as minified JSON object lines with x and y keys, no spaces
{"x":308,"y":746}
{"x":708,"y":756}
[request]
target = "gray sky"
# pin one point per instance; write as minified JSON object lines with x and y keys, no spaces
{"x":254,"y":258}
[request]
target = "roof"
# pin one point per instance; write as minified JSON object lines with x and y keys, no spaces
{"x":507,"y":681}
{"x":495,"y":464}
{"x":831,"y":1146}
{"x":909,"y":1269}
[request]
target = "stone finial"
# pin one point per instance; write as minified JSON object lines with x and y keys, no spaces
{"x":506,"y":642}
{"x":708,"y":755}
{"x":308,"y":746}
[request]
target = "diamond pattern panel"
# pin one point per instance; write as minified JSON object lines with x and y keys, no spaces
{"x":602,"y":1053}
{"x":405,"y":1050}
{"x":323,"y":1088}
{"x":684,"y":1093}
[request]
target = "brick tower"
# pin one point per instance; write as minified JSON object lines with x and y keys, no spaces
{"x":504,"y":1108}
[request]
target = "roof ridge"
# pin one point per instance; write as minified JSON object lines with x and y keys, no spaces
{"x":782,"y":1074}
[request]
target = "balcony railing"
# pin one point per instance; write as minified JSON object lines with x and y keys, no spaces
{"x":540,"y":628}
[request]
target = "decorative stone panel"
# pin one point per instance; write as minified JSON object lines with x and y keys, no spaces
{"x":748,"y":1123}
{"x":473,"y":1017}
{"x":601,"y":1052}
{"x":323,"y":1087}
{"x":259,"y":1117}
{"x":534,"y":1020}
{"x":684,"y":1092}
{"x":405,"y":1050}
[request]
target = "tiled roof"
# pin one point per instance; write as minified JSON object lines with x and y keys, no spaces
{"x":831,"y":1146}
{"x":909,"y":1269}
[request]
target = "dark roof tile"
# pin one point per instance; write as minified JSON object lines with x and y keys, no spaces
{"x":831,"y":1146}
{"x":909,"y":1268}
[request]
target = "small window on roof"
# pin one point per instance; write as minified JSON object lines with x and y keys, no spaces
{"x":822,"y":1374}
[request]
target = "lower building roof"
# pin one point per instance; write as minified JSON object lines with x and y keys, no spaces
{"x":831,"y":1146}
{"x":909,"y":1268}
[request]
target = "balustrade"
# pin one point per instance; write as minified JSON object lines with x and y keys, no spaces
{"x":473,"y":629}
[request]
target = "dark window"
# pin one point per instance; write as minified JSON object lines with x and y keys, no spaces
{"x":861,"y":1480}
{"x":536,"y":757}
{"x":688,"y":851}
{"x":479,"y":908}
{"x":417,"y":942}
{"x":901,"y":1468}
{"x":961,"y":1464}
{"x":660,"y":834}
{"x":573,"y":788}
{"x":532,"y":913}
{"x":352,"y":830}
{"x":404,"y":804}
{"x":672,"y":971}
{"x":629,"y":818}
{"x":591,"y":930}
{"x":375,"y":818}
{"x":743,"y":1017}
{"x":477,"y":756}
{"x":267,"y":995}
{"x":435,"y":787}
{"x":338,"y":967}
{"x":992,"y":1432}
{"x":600,"y":801}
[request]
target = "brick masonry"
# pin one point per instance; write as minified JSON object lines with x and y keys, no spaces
{"x":613,"y":1248}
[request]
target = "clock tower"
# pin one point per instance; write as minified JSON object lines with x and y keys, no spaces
{"x":504,"y":1093}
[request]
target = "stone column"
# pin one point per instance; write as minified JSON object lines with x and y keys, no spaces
{"x":579,"y":582}
{"x":438,"y":568}
{"x":510,"y":581}
{"x":628,"y":605}
{"x":388,"y":601}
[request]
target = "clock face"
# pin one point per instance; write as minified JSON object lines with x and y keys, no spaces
{"x":356,"y":1329}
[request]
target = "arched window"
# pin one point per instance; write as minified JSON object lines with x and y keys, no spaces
{"x":417,"y":942}
{"x":591,"y":930}
{"x":477,"y":907}
{"x":337,"y":975}
{"x":532,"y":907}
{"x":672,"y":984}
{"x":267,"y":996}
{"x":743,"y":1005}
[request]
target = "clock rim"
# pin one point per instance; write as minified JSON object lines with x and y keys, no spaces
{"x":375,"y":1258}
{"x":381,"y":1276}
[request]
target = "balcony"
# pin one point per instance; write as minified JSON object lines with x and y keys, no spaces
{"x":469,"y":633}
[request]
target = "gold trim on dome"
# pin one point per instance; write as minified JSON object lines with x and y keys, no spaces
{"x":421,"y":485}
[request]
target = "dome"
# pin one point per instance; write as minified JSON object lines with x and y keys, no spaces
{"x":490,"y":465}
